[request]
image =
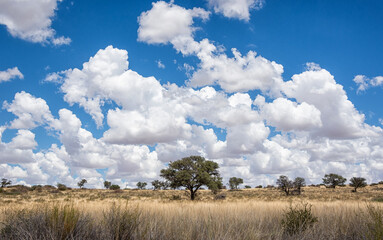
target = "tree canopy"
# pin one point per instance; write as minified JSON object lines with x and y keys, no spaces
{"x":234,"y":182}
{"x":357,"y":182}
{"x":285,"y":184}
{"x":5,"y":182}
{"x":332,"y":180}
{"x":82,"y":183}
{"x":107,"y":184}
{"x":192,"y":173}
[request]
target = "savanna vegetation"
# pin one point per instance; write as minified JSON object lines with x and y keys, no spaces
{"x":192,"y":203}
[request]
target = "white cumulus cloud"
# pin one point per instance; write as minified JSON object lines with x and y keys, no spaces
{"x":364,"y":82}
{"x":167,"y":21}
{"x":31,"y":20}
{"x":236,"y":8}
{"x":9,"y":74}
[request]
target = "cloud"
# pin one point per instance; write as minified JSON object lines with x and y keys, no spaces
{"x":167,"y":21}
{"x":149,"y":124}
{"x":31,"y":20}
{"x":9,"y":74}
{"x":106,"y":76}
{"x":239,"y":9}
{"x":240,"y":73}
{"x":340,"y":119}
{"x":160,"y":64}
{"x":288,"y":116}
{"x":30,"y":111}
{"x":364,"y":82}
{"x":19,"y":150}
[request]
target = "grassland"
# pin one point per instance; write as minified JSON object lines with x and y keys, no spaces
{"x":168,"y":214}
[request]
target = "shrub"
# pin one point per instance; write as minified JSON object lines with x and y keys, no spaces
{"x":247,"y":186}
{"x":61,"y":187}
{"x":114,"y":187}
{"x":259,"y":186}
{"x":297,"y":219}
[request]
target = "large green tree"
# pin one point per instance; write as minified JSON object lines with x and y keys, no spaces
{"x":192,"y":173}
{"x":332,"y":180}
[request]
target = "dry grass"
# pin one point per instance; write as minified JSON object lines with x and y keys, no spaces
{"x":245,"y":214}
{"x":21,"y":196}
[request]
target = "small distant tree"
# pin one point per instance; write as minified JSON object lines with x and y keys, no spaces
{"x":82,"y":183}
{"x":357,"y":182}
{"x":107,"y":184}
{"x":299,"y":183}
{"x":114,"y":187}
{"x":192,"y":173}
{"x":259,"y":186}
{"x":234,"y":182}
{"x":141,"y":185}
{"x":247,"y":186}
{"x":285,"y":184}
{"x":5,"y":182}
{"x":157,"y":184}
{"x":332,"y":180}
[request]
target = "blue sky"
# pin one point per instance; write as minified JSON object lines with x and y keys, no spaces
{"x":299,"y":96}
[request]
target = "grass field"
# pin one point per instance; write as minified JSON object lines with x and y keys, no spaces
{"x":168,"y":214}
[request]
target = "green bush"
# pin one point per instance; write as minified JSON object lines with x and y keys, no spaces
{"x":297,"y":219}
{"x":114,"y":187}
{"x":61,"y":187}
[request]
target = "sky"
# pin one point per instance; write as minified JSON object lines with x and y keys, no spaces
{"x":115,"y":90}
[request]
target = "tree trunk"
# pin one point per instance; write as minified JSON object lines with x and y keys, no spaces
{"x":287,"y":192}
{"x":192,"y":195}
